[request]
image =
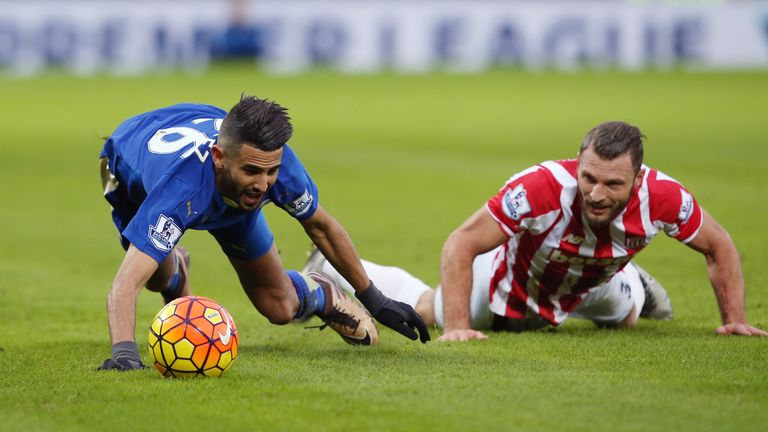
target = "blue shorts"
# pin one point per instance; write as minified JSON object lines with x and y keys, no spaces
{"x":247,"y":239}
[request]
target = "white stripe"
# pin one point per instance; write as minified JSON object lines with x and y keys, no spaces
{"x":587,"y":247}
{"x":693,"y":236}
{"x":661,"y":176}
{"x":645,"y":211}
{"x":540,"y":223}
{"x":567,"y":196}
{"x":559,"y":314}
{"x":561,"y":174}
{"x":618,"y":235}
{"x":671,"y":229}
{"x":504,"y":287}
{"x":536,"y":225}
{"x":503,"y":225}
{"x":521,"y":174}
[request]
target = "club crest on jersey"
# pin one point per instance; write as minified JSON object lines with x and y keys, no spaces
{"x":301,"y":204}
{"x":574,"y":239}
{"x":515,"y":203}
{"x":164,"y":233}
{"x":686,"y":206}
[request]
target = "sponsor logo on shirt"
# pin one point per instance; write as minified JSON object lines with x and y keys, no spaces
{"x":301,"y":204}
{"x":164,"y":233}
{"x":635,"y":242}
{"x":557,"y":256}
{"x":515,"y":203}
{"x":686,"y":207}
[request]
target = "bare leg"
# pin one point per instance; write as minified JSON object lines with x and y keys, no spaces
{"x":268,"y":286}
{"x":628,"y":322}
{"x":172,"y":275}
{"x":283,"y":297}
{"x":161,"y":278}
{"x":426,"y":307}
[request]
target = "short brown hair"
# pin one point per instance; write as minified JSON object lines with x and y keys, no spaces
{"x":613,"y":139}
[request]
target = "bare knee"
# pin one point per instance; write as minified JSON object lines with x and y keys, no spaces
{"x":280,"y":313}
{"x":425,"y":307}
{"x":628,"y":322}
{"x":158,"y":282}
{"x":277,"y":306}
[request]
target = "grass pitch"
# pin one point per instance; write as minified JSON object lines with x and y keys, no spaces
{"x":400,"y":161}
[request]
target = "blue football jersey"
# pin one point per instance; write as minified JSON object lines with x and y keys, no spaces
{"x":163,"y":165}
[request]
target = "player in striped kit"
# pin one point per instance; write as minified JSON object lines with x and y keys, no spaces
{"x":558,"y":240}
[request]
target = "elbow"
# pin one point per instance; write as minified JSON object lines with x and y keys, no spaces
{"x":458,"y":245}
{"x":453,"y":241}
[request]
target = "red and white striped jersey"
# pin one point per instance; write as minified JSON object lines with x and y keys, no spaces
{"x":553,"y":257}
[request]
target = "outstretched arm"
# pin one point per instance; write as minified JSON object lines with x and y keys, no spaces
{"x":477,"y":235}
{"x":335,"y":244}
{"x":724,"y":271}
{"x":134,"y":272}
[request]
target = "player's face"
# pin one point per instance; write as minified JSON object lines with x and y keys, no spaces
{"x":245,"y":176}
{"x":605,"y":186}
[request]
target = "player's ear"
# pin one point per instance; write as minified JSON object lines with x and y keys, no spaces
{"x":218,"y":156}
{"x":639,"y":177}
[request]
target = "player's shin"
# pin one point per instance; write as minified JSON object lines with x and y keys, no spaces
{"x":178,"y":284}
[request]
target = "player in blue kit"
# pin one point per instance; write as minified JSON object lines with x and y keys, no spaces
{"x":192,"y":166}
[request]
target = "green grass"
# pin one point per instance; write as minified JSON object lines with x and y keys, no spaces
{"x":400,"y":161}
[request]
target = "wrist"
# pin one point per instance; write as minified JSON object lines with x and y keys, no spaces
{"x":371,"y":298}
{"x":126,"y":350}
{"x":453,"y":325}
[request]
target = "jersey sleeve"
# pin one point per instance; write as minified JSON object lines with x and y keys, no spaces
{"x":294,"y":191}
{"x":674,"y":207}
{"x":526,"y":202}
{"x":161,"y":219}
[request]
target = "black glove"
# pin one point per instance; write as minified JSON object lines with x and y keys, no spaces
{"x":125,"y":357}
{"x":393,"y":314}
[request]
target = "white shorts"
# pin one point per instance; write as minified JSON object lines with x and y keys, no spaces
{"x":609,"y":303}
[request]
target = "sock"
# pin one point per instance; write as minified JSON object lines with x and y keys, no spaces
{"x":173,"y":286}
{"x":311,"y":294}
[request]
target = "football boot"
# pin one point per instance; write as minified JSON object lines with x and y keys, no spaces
{"x":657,"y":304}
{"x":344,"y":315}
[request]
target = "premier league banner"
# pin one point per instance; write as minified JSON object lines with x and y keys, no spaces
{"x":290,"y":36}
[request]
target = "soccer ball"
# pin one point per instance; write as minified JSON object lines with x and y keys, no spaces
{"x":192,"y":336}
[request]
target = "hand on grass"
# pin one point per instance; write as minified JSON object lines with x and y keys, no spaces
{"x":742,"y":329}
{"x":462,"y":335}
{"x":125,"y":357}
{"x":121,"y":365}
{"x":396,"y":315}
